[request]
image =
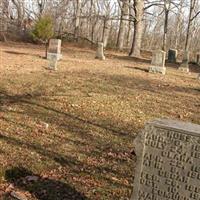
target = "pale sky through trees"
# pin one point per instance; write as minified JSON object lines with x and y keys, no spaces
{"x":103,"y":18}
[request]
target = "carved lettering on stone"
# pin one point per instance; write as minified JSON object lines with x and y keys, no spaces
{"x":54,"y":46}
{"x":168,"y":162}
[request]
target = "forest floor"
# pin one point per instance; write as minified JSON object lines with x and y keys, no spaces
{"x":68,"y":134}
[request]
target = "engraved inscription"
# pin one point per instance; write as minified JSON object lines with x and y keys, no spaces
{"x":55,"y":46}
{"x":170,"y":168}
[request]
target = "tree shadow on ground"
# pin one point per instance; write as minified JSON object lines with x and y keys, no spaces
{"x":172,"y":65}
{"x":69,"y":161}
{"x":193,"y":67}
{"x":128,"y":58}
{"x":99,"y":139}
{"x":26,"y":98}
{"x":70,"y":50}
{"x":41,"y":188}
{"x":81,"y":129}
{"x":137,"y":68}
{"x":24,"y":54}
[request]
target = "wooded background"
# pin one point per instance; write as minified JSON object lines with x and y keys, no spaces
{"x":122,"y":24}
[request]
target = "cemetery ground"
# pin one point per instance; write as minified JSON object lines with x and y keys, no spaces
{"x":68,"y":134}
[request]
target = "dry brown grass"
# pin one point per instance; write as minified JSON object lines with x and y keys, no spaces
{"x":94,"y":110}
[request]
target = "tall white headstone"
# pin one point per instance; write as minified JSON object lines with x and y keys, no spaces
{"x":54,"y":49}
{"x":158,"y":62}
{"x":100,"y":52}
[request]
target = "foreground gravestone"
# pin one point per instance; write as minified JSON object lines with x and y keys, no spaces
{"x":168,"y":161}
{"x":100,"y":52}
{"x":158,"y":62}
{"x":54,"y":49}
{"x":172,"y":55}
{"x":185,"y":64}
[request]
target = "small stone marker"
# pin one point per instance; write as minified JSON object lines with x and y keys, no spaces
{"x":185,"y":64}
{"x":54,"y":49}
{"x":18,"y":195}
{"x":100,"y":51}
{"x":198,"y":58}
{"x":168,"y":161}
{"x":172,"y":55}
{"x":158,"y":62}
{"x":53,"y":62}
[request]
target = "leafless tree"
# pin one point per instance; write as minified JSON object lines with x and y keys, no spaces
{"x":136,"y":24}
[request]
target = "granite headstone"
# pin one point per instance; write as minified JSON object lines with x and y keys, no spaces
{"x":198,"y":58}
{"x":53,"y":62}
{"x":168,"y":161}
{"x":172,"y":55}
{"x":54,"y":49}
{"x":158,"y":62}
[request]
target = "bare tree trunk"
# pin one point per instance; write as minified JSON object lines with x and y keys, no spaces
{"x":106,"y":31}
{"x":4,"y":19}
{"x":41,"y":5}
{"x":123,"y":24}
{"x":185,"y":63}
{"x":129,"y":24}
{"x":187,"y":42}
{"x":129,"y":35}
{"x":166,"y":8}
{"x":77,"y":19}
{"x":94,"y":20}
{"x":20,"y":12}
{"x":178,"y":25}
{"x":93,"y":31}
{"x":138,"y":28}
{"x":46,"y":48}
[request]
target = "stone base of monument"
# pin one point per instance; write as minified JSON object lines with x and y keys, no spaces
{"x":53,"y":65}
{"x":184,"y":68}
{"x":100,"y":57}
{"x":51,"y":56}
{"x":168,"y":161}
{"x":157,"y":69}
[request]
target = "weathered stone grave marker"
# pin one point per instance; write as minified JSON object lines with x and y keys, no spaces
{"x":168,"y":161}
{"x":100,"y":51}
{"x":172,"y":55}
{"x":185,"y":64}
{"x":54,"y":53}
{"x":53,"y":62}
{"x":54,"y":49}
{"x":198,"y":58}
{"x":158,"y":62}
